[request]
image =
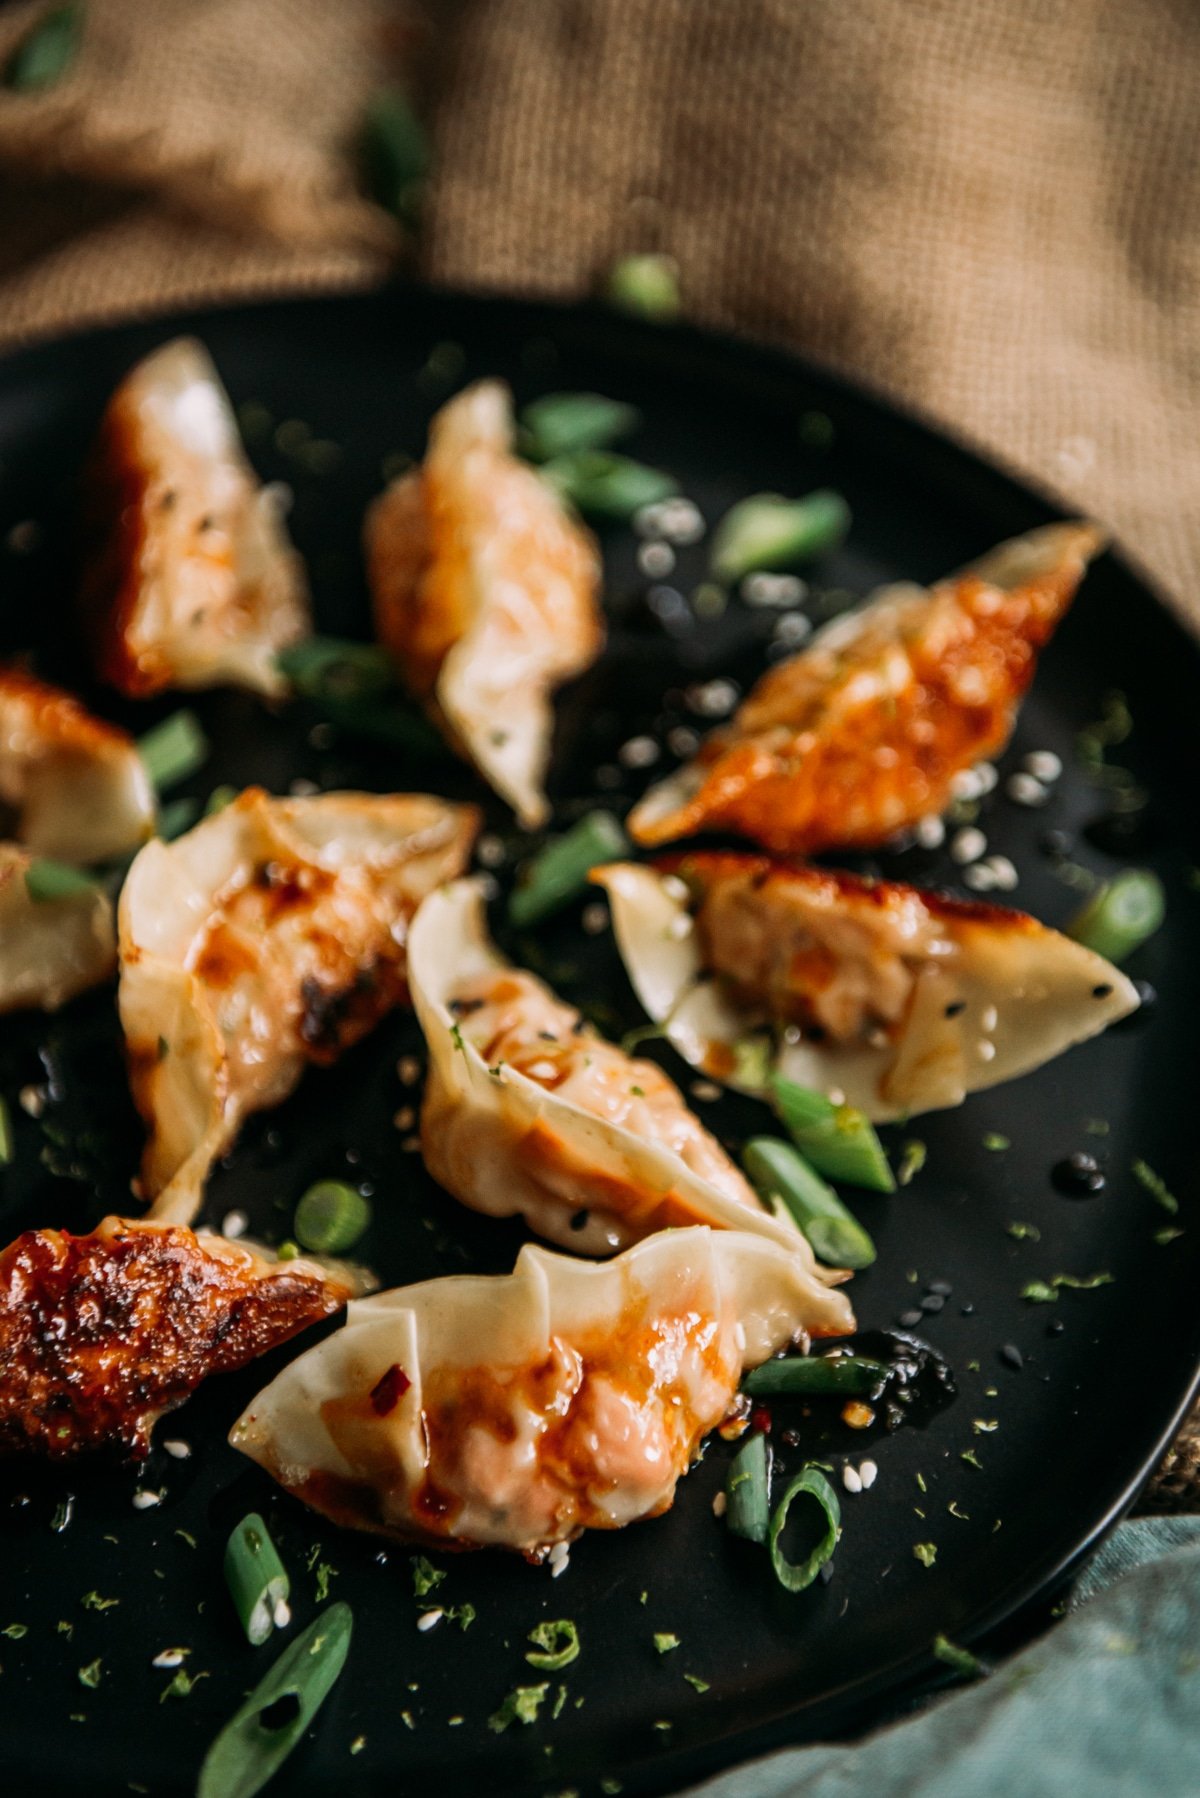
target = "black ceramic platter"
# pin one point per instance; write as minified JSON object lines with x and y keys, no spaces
{"x":1064,"y":1406}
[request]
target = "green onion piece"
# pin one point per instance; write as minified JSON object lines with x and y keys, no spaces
{"x":838,"y":1141}
{"x":7,"y":1143}
{"x":394,"y":153}
{"x":253,"y":1744}
{"x":748,"y":1489}
{"x":218,"y":799}
{"x":336,"y":668}
{"x":647,"y":285}
{"x":46,"y":881}
{"x":173,"y":750}
{"x":559,"y":871}
{"x":1155,"y":1185}
{"x":331,"y":1217}
{"x":849,"y":1376}
{"x":47,"y":50}
{"x":606,"y":485}
{"x":555,"y":1645}
{"x":1120,"y":915}
{"x":777,"y":1170}
{"x":810,"y":1483}
{"x":256,"y":1577}
{"x":768,"y":531}
{"x":959,"y":1660}
{"x":560,"y":423}
{"x":176,"y":817}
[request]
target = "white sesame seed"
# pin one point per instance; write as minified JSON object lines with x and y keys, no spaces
{"x":656,"y":559}
{"x":411,"y":1145}
{"x":968,"y":845}
{"x":712,"y":699}
{"x":793,"y":630}
{"x":409,"y":1069}
{"x":1043,"y":764}
{"x":706,"y":1091}
{"x":979,"y":878}
{"x":177,"y":1449}
{"x":850,"y":1479}
{"x":867,"y":1473}
{"x":676,"y":889}
{"x":781,"y":590}
{"x":488,"y":886}
{"x":404,"y":1119}
{"x":836,"y":1096}
{"x":680,"y":927}
{"x":987,"y":1050}
{"x":303,"y":789}
{"x":930,"y":832}
{"x":989,"y":1019}
{"x":145,"y":1500}
{"x":560,"y":1555}
{"x":683,"y":741}
{"x":966,"y":784}
{"x":678,"y":520}
{"x":639,"y":752}
{"x":170,"y":1657}
{"x":595,"y":918}
{"x":718,"y":1504}
{"x":987,"y":777}
{"x":282,"y":1613}
{"x":32,"y":1099}
{"x":428,"y":1619}
{"x":490,"y":851}
{"x":1003,"y":872}
{"x":234,"y":1224}
{"x":1025,"y":789}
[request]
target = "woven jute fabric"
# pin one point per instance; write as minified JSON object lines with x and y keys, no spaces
{"x":992,"y":213}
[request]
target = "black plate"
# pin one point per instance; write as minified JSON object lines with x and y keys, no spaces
{"x":1105,"y":1374}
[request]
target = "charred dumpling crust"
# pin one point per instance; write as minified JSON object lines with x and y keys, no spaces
{"x":190,"y":579}
{"x":862,"y":733}
{"x":101,"y":1334}
{"x":896,"y":999}
{"x":75,"y":784}
{"x":271,"y":936}
{"x":518,"y":1410}
{"x":486,"y":593}
{"x":50,"y":952}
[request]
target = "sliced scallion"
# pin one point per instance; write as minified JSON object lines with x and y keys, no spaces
{"x":768,"y":531}
{"x":1120,"y":915}
{"x":555,"y":1645}
{"x":777,"y":1170}
{"x":7,"y":1146}
{"x":748,"y":1488}
{"x":606,"y":485}
{"x":331,"y":1217}
{"x":559,"y":871}
{"x":809,"y":1483}
{"x":647,"y":285}
{"x":560,"y":423}
{"x":849,"y":1376}
{"x":173,"y":750}
{"x":46,"y":51}
{"x":257,"y":1578}
{"x":836,"y":1139}
{"x":262,"y":1733}
{"x":336,"y":668}
{"x":46,"y":881}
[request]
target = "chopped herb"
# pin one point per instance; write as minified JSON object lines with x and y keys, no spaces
{"x":1024,"y":1232}
{"x":181,"y":1686}
{"x":425,"y":1576}
{"x":1038,"y":1293}
{"x":961,"y":1660}
{"x":921,"y":1482}
{"x":324,"y":1574}
{"x":555,"y":1645}
{"x":462,"y":1614}
{"x":1155,"y":1185}
{"x":694,"y":1679}
{"x":358,"y":1744}
{"x":46,"y":51}
{"x":1045,"y":1292}
{"x":646,"y":284}
{"x":768,"y":531}
{"x":90,"y":1675}
{"x":664,"y":1642}
{"x":971,"y":1458}
{"x":65,"y":1629}
{"x":637,"y":1092}
{"x":456,"y":1037}
{"x":560,"y":423}
{"x":14,"y":1631}
{"x":995,"y":1142}
{"x":520,"y":1706}
{"x":92,"y":1601}
{"x":606,"y":485}
{"x":954,"y":1511}
{"x":1167,"y":1234}
{"x":913,"y":1156}
{"x":926,"y":1553}
{"x":186,"y":1536}
{"x":560,"y":1699}
{"x":984,"y":1426}
{"x":1096,"y":1126}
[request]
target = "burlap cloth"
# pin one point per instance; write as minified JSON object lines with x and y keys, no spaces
{"x":992,"y":211}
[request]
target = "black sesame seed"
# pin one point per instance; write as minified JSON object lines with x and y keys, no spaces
{"x":790,"y":1438}
{"x":1103,"y":990}
{"x":579,"y":1219}
{"x":352,"y":1157}
{"x":956,"y":1008}
{"x":939,"y":1286}
{"x":967,"y":1310}
{"x":1056,"y":844}
{"x":933,"y":1302}
{"x":1080,"y":1176}
{"x":909,"y":1319}
{"x":1011,"y":1356}
{"x":1056,"y":1328}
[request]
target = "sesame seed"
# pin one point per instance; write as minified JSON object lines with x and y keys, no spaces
{"x":656,"y":559}
{"x":979,"y":878}
{"x":989,"y":1018}
{"x":779,"y":590}
{"x":234,"y":1224}
{"x":933,"y":1302}
{"x":560,"y":1554}
{"x":282,"y":1613}
{"x":966,"y":784}
{"x":718,"y":1504}
{"x":411,"y":1145}
{"x":178,"y":1450}
{"x":490,"y":851}
{"x":32,"y":1100}
{"x":145,"y":1500}
{"x":850,"y":1479}
{"x":680,"y":927}
{"x":968,"y":845}
{"x":706,"y":1091}
{"x":409,"y":1069}
{"x":930,"y":832}
{"x":987,"y":777}
{"x":303,"y":789}
{"x":595,"y":918}
{"x":793,"y":630}
{"x":683,"y":741}
{"x":712,"y":699}
{"x":170,"y":1657}
{"x":867,"y":1473}
{"x":404,"y":1119}
{"x":1025,"y":789}
{"x":676,"y":889}
{"x":908,"y":1320}
{"x":1011,"y":1356}
{"x":1003,"y":872}
{"x":639,"y":752}
{"x":987,"y":1050}
{"x":428,"y":1619}
{"x":1043,"y":764}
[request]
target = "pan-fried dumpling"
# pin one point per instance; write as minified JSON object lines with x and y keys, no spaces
{"x":527,"y":1110}
{"x":76,"y":785}
{"x":50,"y":949}
{"x":897,"y":1001}
{"x":486,"y":593}
{"x":862,"y":733}
{"x":191,"y":580}
{"x":270,"y":936}
{"x":520,"y":1409}
{"x":101,"y":1334}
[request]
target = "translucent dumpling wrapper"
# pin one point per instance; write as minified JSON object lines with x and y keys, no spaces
{"x":190,"y":580}
{"x":895,"y":1000}
{"x":861,"y":734}
{"x":51,"y":950}
{"x":529,"y":1111}
{"x":74,"y":784}
{"x":517,"y":1410}
{"x":486,"y":593}
{"x":101,"y":1334}
{"x":272,"y":935}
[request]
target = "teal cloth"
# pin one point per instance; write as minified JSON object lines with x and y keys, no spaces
{"x":1105,"y":1705}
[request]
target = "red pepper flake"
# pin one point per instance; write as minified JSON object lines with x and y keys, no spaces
{"x":388,"y":1392}
{"x":760,"y":1419}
